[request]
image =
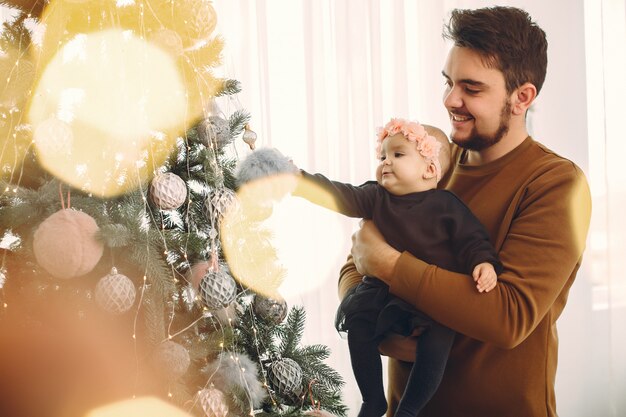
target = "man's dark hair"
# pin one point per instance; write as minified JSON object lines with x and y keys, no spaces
{"x":507,"y":38}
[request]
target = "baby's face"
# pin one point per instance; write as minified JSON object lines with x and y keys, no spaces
{"x":401,"y":169}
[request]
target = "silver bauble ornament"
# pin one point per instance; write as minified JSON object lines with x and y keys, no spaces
{"x":214,"y":130}
{"x":168,"y":191}
{"x":217,"y":289}
{"x":213,"y":402}
{"x":115,"y":293}
{"x":285,"y":376}
{"x":272,"y":309}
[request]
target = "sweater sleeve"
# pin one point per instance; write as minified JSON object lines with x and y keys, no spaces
{"x":469,"y":237}
{"x":347,"y":199}
{"x":540,"y":253}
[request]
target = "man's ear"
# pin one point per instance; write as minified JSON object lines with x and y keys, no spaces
{"x":523,"y":97}
{"x":430,"y":172}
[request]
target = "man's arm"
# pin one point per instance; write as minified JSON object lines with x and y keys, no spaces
{"x":540,"y":253}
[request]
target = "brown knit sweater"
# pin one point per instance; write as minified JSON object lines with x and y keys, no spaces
{"x":536,"y":207}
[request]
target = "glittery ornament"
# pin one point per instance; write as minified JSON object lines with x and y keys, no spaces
{"x":214,"y":130}
{"x":168,"y":191}
{"x":217,"y":288}
{"x":115,"y":293}
{"x":249,"y":137}
{"x":65,"y":244}
{"x":272,"y":309}
{"x":285,"y":376}
{"x":213,"y":402}
{"x":218,"y":202}
{"x":171,"y":360}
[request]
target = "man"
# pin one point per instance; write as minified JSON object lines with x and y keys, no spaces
{"x":536,"y":207}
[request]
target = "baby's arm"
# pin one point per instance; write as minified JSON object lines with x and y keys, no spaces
{"x":485,"y":277}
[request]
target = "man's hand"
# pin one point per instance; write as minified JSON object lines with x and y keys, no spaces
{"x":371,"y":254}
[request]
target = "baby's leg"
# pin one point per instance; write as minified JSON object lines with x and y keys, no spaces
{"x":433,"y":349}
{"x":367,"y":368}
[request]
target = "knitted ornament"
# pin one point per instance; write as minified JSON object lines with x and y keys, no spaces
{"x":214,"y":130}
{"x":171,"y":360}
{"x":217,"y":288}
{"x":285,"y":376}
{"x":272,"y":309}
{"x":218,"y":203}
{"x":65,"y":244}
{"x":168,"y":191}
{"x":213,"y":402}
{"x":115,"y":293}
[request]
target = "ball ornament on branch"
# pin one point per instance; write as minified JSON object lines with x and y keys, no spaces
{"x":213,"y":402}
{"x":217,"y":288}
{"x":168,"y":40}
{"x":249,"y":137}
{"x":65,"y":244}
{"x":271,"y":309}
{"x":214,"y":130}
{"x":115,"y":293}
{"x":171,"y":360}
{"x":218,"y":202}
{"x":168,"y":191}
{"x":285,"y":376}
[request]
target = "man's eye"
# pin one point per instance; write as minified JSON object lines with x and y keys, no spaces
{"x":471,"y":91}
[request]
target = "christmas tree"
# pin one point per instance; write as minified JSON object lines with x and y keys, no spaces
{"x":116,"y":175}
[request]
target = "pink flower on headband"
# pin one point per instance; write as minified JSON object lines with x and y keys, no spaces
{"x":429,"y":148}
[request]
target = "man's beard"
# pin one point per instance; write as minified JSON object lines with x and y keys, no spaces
{"x":478,"y":142}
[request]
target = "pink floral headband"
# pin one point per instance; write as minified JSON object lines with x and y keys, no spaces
{"x":427,"y":145}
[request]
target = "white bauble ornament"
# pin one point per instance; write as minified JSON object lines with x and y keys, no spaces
{"x":65,"y":244}
{"x":168,"y":191}
{"x":115,"y":293}
{"x":285,"y":376}
{"x":213,"y":402}
{"x":217,"y":289}
{"x":171,"y":360}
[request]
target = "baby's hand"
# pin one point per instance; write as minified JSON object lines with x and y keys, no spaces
{"x":485,"y":277}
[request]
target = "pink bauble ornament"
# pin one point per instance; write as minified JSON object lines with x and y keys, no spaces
{"x":65,"y":244}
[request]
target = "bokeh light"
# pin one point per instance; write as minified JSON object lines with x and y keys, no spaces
{"x":106,"y":110}
{"x":139,"y":407}
{"x":275,"y":242}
